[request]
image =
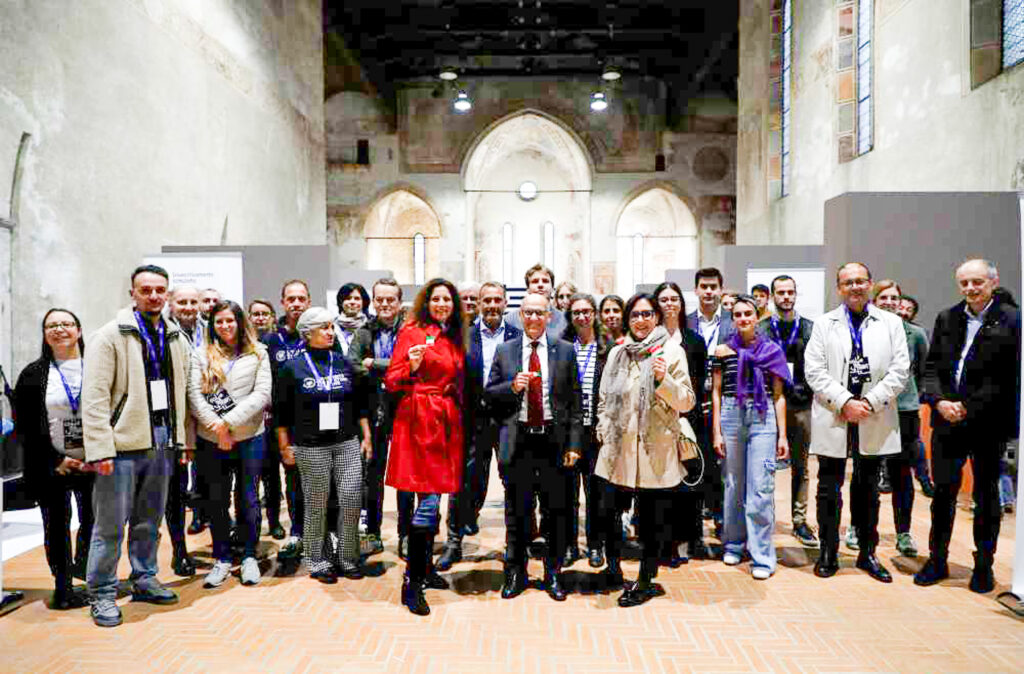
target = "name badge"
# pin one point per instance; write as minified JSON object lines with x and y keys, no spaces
{"x":73,"y":433}
{"x":221,"y":402}
{"x":330,"y":416}
{"x":791,"y":375}
{"x":860,"y":370}
{"x":158,"y":394}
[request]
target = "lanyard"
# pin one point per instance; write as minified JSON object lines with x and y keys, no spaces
{"x":73,"y":400}
{"x":710,"y":339}
{"x":591,"y":348}
{"x":856,"y":334}
{"x":156,"y":357}
{"x":777,"y":334}
{"x":197,"y":336}
{"x":384,"y":345}
{"x":319,"y":377}
{"x":345,"y":336}
{"x":297,"y":342}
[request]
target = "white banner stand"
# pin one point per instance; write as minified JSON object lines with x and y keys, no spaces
{"x":1014,"y":599}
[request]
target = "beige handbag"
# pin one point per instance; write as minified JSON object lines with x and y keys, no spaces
{"x":686,"y":441}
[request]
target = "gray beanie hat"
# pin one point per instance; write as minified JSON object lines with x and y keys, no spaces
{"x":312,"y":318}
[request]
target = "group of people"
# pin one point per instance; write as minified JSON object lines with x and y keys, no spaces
{"x":636,"y":404}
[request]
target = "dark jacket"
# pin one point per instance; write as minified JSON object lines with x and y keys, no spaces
{"x":725,"y":326}
{"x":478,"y":408}
{"x":990,"y":383}
{"x":798,"y":394}
{"x":41,"y":457}
{"x":381,"y":404}
{"x":563,"y":395}
{"x":696,"y":361}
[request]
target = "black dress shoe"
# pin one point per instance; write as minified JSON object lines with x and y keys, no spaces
{"x":596,"y":558}
{"x":67,"y":600}
{"x":933,"y":571}
{"x":471,"y":529}
{"x":198,"y":526}
{"x":982,"y":579}
{"x":515,"y":583}
{"x":449,"y":556}
{"x":827,"y":564}
{"x":637,"y":593}
{"x":553,"y":586}
{"x":412,"y":597}
{"x":183,"y":565}
{"x":350,"y":570}
{"x":874,"y":568}
{"x":277,"y":532}
{"x":611,"y":576}
{"x":327,"y":576}
{"x":435,"y":581}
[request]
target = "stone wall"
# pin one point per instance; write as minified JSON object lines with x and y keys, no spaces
{"x":153,"y":122}
{"x":932,"y":132}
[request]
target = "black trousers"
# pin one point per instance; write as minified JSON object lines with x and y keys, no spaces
{"x":373,"y":476}
{"x":270,"y":478}
{"x":535,"y":470}
{"x":583,"y":473}
{"x":176,"y":497}
{"x":55,"y":506}
{"x":654,"y":511}
{"x":951,"y":447}
{"x":864,"y":503}
{"x":464,"y":507}
{"x":901,"y":468}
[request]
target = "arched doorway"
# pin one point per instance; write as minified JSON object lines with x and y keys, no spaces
{"x":402,"y":233}
{"x":655,"y":232}
{"x":527,"y":183}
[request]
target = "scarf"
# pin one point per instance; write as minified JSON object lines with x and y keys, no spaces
{"x":351,"y":324}
{"x":615,"y":385}
{"x":753,"y":361}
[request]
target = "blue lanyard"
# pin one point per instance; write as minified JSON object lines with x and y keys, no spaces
{"x":156,"y":357}
{"x":582,"y":372}
{"x":345,"y":336}
{"x":330,"y":371}
{"x":384,"y":345}
{"x":286,"y":345}
{"x":856,"y":334}
{"x":714,"y":334}
{"x":777,"y":334}
{"x":73,"y":400}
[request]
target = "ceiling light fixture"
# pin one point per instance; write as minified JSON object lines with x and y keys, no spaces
{"x":448,"y":74}
{"x":598,"y":102}
{"x":610,"y":74}
{"x":462,"y":102}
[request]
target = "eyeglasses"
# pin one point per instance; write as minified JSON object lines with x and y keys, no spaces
{"x":260,"y":314}
{"x":582,"y":313}
{"x":641,"y":315}
{"x":850,"y":283}
{"x":535,"y":313}
{"x":61,"y":326}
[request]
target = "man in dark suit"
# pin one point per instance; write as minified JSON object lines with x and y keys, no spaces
{"x":480,"y":423}
{"x":533,"y":387}
{"x":972,"y":382}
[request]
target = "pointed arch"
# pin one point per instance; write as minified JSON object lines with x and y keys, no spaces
{"x":655,"y":231}
{"x":403,"y":233}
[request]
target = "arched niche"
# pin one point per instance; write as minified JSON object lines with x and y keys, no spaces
{"x":656,"y":231}
{"x":390,"y":231}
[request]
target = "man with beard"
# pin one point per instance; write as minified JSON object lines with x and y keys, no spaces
{"x":283,"y":345}
{"x":479,"y":421}
{"x":208,"y":299}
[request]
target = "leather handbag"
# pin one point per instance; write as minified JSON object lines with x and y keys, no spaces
{"x":686,"y":441}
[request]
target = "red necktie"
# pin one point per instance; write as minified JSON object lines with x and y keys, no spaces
{"x":535,"y":391}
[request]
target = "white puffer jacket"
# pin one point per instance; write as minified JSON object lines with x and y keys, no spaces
{"x":249,"y":386}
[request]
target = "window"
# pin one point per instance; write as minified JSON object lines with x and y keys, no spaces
{"x":506,"y":253}
{"x":865,"y":29}
{"x":419,"y":259}
{"x":549,"y":245}
{"x":638,"y":260}
{"x":787,"y":71}
{"x":1013,"y":32}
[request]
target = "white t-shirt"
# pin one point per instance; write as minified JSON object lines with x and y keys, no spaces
{"x":65,"y":425}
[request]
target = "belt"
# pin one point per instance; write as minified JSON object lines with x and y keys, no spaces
{"x":537,"y":430}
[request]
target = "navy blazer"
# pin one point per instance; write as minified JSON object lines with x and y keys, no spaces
{"x":725,"y":326}
{"x":563,"y":395}
{"x":477,"y":405}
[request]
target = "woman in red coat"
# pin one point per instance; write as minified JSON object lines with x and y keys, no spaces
{"x":426,"y":374}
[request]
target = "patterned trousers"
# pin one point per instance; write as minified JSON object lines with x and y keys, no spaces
{"x":317,"y":466}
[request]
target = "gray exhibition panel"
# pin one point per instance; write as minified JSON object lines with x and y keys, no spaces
{"x":738,"y":259}
{"x":918,"y":239}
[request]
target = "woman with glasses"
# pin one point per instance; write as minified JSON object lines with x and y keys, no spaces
{"x":644,"y":388}
{"x":746,"y":401}
{"x":320,"y":405}
{"x":47,"y":402}
{"x":228,"y":392}
{"x":584,"y":332}
{"x":688,"y":520}
{"x":610,"y":314}
{"x":426,"y":374}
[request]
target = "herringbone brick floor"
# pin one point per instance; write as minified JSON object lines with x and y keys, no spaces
{"x":713,"y":618}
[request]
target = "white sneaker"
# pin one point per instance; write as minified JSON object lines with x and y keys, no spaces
{"x":851,"y":538}
{"x":731,"y":559}
{"x":217,"y":576}
{"x":250,"y":571}
{"x":761,"y":573}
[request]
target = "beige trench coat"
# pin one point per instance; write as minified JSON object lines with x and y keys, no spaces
{"x":650,"y":461}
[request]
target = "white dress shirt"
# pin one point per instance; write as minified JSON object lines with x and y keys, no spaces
{"x":974,"y":324}
{"x":542,"y":353}
{"x":489,"y":342}
{"x":710,"y":329}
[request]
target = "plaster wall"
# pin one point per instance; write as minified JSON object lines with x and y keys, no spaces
{"x":932,"y":132}
{"x":154,"y":123}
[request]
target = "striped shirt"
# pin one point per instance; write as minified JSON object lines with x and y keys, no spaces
{"x":586,"y":361}
{"x":729,"y":365}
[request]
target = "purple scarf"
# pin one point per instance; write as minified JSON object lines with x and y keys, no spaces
{"x":763,"y":355}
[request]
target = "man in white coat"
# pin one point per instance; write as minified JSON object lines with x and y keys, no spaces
{"x":856,"y":363}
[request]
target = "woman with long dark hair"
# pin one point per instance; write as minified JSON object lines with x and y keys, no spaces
{"x":228,"y":390}
{"x":610,"y":312}
{"x":426,"y":374}
{"x":47,"y":403}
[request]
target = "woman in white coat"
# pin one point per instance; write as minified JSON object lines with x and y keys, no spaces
{"x":228,"y":389}
{"x":856,"y":363}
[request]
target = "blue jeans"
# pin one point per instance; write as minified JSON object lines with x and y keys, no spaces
{"x":246,"y":461}
{"x":134,"y":493}
{"x":749,"y":476}
{"x":427,"y":514}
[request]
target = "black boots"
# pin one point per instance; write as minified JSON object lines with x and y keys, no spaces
{"x":644,"y":588}
{"x":419,"y":571}
{"x":181,"y":563}
{"x":828,"y":560}
{"x":982,"y":580}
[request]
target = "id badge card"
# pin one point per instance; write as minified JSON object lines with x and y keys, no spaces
{"x":860,"y":370}
{"x":330,"y":416}
{"x":73,"y":433}
{"x":221,"y":402}
{"x":790,"y":366}
{"x":158,"y":394}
